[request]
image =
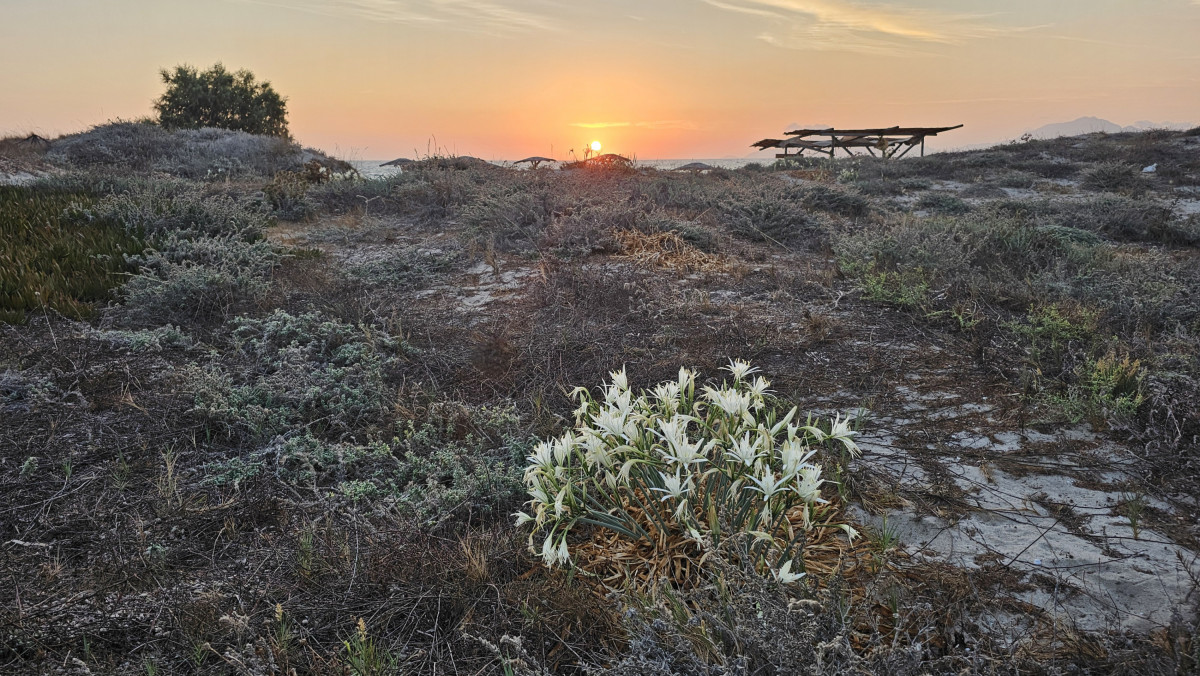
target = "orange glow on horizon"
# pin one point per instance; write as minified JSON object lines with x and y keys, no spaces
{"x":694,"y":80}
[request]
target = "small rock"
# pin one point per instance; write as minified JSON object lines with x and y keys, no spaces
{"x":1150,"y":169}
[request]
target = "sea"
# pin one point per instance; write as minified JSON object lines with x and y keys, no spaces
{"x":375,"y":168}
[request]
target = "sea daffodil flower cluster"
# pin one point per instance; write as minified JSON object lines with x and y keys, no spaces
{"x":669,"y":461}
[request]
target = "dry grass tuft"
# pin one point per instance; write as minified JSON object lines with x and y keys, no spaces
{"x":665,"y":250}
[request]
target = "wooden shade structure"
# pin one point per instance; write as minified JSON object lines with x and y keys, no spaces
{"x":889,"y":141}
{"x":535,"y":161}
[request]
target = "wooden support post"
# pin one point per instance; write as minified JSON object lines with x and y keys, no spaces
{"x":922,"y":146}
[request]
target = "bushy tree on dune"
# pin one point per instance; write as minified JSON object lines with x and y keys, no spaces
{"x":219,"y":98}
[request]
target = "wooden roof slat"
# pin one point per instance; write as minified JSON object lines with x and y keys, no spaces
{"x":897,"y":131}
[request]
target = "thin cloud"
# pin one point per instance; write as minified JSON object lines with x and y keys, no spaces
{"x":600,"y":125}
{"x":466,"y":15}
{"x":655,"y":124}
{"x":753,"y":11}
{"x":849,"y":26}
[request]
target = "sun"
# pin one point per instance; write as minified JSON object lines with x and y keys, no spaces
{"x":595,"y":146}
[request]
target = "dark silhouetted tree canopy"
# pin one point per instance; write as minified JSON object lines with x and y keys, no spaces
{"x":219,"y":98}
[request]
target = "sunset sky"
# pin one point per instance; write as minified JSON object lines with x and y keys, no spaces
{"x":503,"y":79}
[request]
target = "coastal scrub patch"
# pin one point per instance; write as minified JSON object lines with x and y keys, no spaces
{"x":308,"y":371}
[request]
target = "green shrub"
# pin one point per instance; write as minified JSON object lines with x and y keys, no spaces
{"x":175,"y":208}
{"x":1107,"y":388}
{"x":205,"y":253}
{"x":51,"y":259}
{"x":22,"y":389}
{"x":308,"y":461}
{"x":457,"y":461}
{"x":153,"y":340}
{"x":943,"y":203}
{"x":511,"y":216}
{"x":718,"y":465}
{"x":1113,"y":177}
{"x":434,"y":195}
{"x":306,"y":371}
{"x":288,"y":195}
{"x":908,"y":289}
{"x":880,"y":188}
{"x":411,"y":269}
{"x":766,"y":212}
{"x":232,"y":472}
{"x":841,"y":202}
{"x":460,"y":460}
{"x":1115,"y":385}
{"x":1053,"y":326}
{"x":197,"y":280}
{"x":219,"y":98}
{"x":1126,"y":220}
{"x":984,"y":191}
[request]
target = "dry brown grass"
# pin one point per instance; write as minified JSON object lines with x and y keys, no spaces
{"x":665,"y":250}
{"x":618,"y":563}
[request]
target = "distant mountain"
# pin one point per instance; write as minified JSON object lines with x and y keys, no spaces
{"x":1091,"y":125}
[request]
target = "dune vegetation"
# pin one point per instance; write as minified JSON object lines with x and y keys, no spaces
{"x":261,"y":415}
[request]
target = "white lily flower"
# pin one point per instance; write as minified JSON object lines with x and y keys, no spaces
{"x":623,"y":473}
{"x":740,"y":369}
{"x":621,"y":400}
{"x":596,"y":453}
{"x":735,"y":404}
{"x":687,"y":453}
{"x":672,"y":430}
{"x":549,"y":552}
{"x":542,"y":456}
{"x":538,"y":493}
{"x":744,"y":450}
{"x":767,"y":484}
{"x":842,"y":432}
{"x":686,"y":378}
{"x":793,"y":454}
{"x":667,"y":393}
{"x":522,"y":519}
{"x":563,"y":492}
{"x":619,"y":379}
{"x":631,"y":431}
{"x":564,"y":554}
{"x":610,"y":422}
{"x":785,"y":574}
{"x":562,"y":448}
{"x":759,"y":387}
{"x":674,"y":486}
{"x":850,"y":532}
{"x":808,"y":484}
